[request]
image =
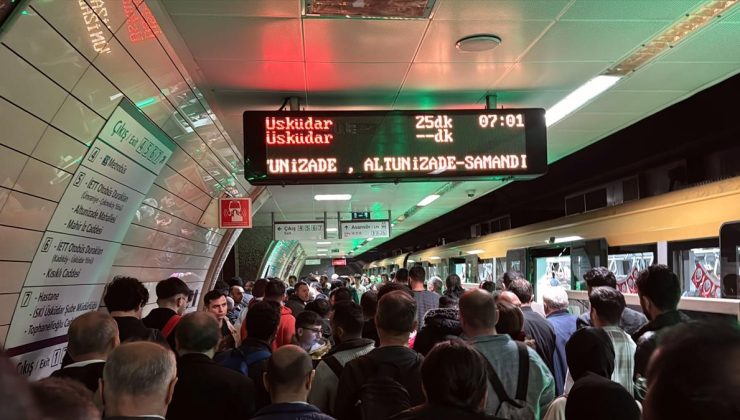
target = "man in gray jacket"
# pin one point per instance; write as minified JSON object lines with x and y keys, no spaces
{"x":347,"y":324}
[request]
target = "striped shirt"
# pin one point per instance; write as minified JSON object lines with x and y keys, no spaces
{"x":624,"y":356}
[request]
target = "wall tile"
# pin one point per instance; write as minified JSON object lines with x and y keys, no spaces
{"x":42,"y":180}
{"x":21,"y":130}
{"x":14,"y":273}
{"x":25,"y":211}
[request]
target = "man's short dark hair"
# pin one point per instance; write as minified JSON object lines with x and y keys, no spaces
{"x":262,"y":320}
{"x":478,"y":308}
{"x":125,"y":294}
{"x":489,"y":286}
{"x":275,"y":290}
{"x":392,"y":287}
{"x":236,"y":281}
{"x":402,"y":276}
{"x":341,"y":294}
{"x":510,"y":276}
{"x":171,"y":287}
{"x":91,"y":332}
{"x":307,"y":319}
{"x":522,"y":289}
{"x":454,"y":374}
{"x":213,"y":295}
{"x":198,"y":332}
{"x":369,"y":303}
{"x":320,"y":306}
{"x":608,"y":303}
{"x":661,"y":285}
{"x":64,"y":399}
{"x":694,"y":373}
{"x":417,"y":273}
{"x":396,"y":312}
{"x":299,"y":284}
{"x":258,"y":288}
{"x":348,"y":316}
{"x":600,"y":276}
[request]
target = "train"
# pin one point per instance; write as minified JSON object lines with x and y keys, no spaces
{"x":695,"y":231}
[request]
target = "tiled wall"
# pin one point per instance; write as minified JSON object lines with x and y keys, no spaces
{"x":57,"y":91}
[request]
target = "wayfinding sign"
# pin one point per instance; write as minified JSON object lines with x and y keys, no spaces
{"x":71,"y":265}
{"x":308,"y":147}
{"x":365,"y":229}
{"x":286,"y":231}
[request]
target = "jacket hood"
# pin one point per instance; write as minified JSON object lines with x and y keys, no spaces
{"x":448,"y":317}
{"x":400,"y":356}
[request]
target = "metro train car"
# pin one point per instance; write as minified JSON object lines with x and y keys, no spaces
{"x":682,"y":229}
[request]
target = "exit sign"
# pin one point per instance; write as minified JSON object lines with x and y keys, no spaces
{"x":360,"y":215}
{"x":338,"y":261}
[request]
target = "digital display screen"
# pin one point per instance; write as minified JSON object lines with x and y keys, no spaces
{"x":285,"y":147}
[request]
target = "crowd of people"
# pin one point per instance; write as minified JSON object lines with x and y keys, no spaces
{"x":402,"y":348}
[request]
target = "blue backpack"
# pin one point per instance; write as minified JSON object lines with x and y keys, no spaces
{"x":240,"y":362}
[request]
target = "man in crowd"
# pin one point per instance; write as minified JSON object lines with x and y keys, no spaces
{"x":125,"y":298}
{"x":435,"y":285}
{"x":425,"y":300}
{"x":92,"y":336}
{"x":402,"y":276}
{"x":630,"y":321}
{"x":173,"y":296}
{"x":308,"y":334}
{"x":607,"y":305}
{"x":340,"y":294}
{"x":478,"y":319}
{"x":215,"y":303}
{"x":237,"y":295}
{"x":138,"y":381}
{"x":297,"y":301}
{"x":250,"y":358}
{"x":395,"y":320}
{"x":536,"y":326}
{"x":659,"y":291}
{"x":347,"y":323}
{"x":369,"y":303}
{"x":275,"y":292}
{"x":289,"y":377}
{"x":564,"y":324}
{"x":63,"y":399}
{"x":204,"y":389}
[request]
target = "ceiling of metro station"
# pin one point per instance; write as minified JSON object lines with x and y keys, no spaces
{"x":251,"y":54}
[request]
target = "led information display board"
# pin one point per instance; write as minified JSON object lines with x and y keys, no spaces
{"x":284,"y":147}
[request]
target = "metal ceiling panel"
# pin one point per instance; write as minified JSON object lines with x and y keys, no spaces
{"x":239,"y":38}
{"x":350,"y":40}
{"x":383,"y":78}
{"x":640,"y":10}
{"x":695,"y":48}
{"x":549,"y":75}
{"x":529,"y":98}
{"x":678,"y":76}
{"x":432,"y":99}
{"x":249,"y":8}
{"x":470,"y":10}
{"x":278,"y":76}
{"x":640,"y":102}
{"x":447,"y":77}
{"x":516,"y":37}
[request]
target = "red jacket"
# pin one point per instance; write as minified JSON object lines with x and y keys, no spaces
{"x":285,"y":330}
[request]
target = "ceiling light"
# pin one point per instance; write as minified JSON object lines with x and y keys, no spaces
{"x":579,"y":97}
{"x":323,"y":243}
{"x":475,"y":252}
{"x":478,"y":43}
{"x":322,"y":250}
{"x":567,"y":239}
{"x":410,"y":261}
{"x":369,"y":239}
{"x":331,"y":229}
{"x":435,"y":258}
{"x":428,"y":200}
{"x":321,"y":255}
{"x":332,"y":197}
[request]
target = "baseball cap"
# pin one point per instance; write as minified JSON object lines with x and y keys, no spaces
{"x":172,"y":286}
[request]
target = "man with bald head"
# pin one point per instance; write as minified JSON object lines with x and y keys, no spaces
{"x":478,"y":316}
{"x":204,"y":389}
{"x":92,"y":336}
{"x":138,"y":381}
{"x":288,"y":378}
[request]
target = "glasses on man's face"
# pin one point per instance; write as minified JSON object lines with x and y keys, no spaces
{"x":316,"y":330}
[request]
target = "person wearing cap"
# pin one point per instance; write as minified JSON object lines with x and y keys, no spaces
{"x":173,"y":296}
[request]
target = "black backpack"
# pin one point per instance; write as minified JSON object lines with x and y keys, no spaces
{"x":384,"y":391}
{"x":513,"y":408}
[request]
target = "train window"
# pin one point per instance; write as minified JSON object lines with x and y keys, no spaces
{"x":697,"y":264}
{"x":486,"y":270}
{"x":729,"y":239}
{"x":626,"y":267}
{"x":552,"y":272}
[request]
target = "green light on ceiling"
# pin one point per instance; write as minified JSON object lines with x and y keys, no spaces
{"x":24,"y":13}
{"x":146,"y":102}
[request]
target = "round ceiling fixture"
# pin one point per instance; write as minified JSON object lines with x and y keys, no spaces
{"x":478,"y":43}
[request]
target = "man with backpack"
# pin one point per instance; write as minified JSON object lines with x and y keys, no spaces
{"x":251,"y":357}
{"x":387,"y":380}
{"x":520,"y":384}
{"x":173,"y":296}
{"x":347,"y":323}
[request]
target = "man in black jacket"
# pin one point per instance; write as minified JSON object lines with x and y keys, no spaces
{"x":125,"y":298}
{"x":173,"y":296}
{"x":535,"y":325}
{"x":92,"y":336}
{"x":395,"y":320}
{"x":660,"y":291}
{"x":204,"y":389}
{"x":630,"y":321}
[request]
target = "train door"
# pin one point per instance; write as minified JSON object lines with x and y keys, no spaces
{"x":460,"y":267}
{"x":697,"y":264}
{"x":729,"y":243}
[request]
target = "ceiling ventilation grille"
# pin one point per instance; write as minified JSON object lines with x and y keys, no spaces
{"x":369,"y":9}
